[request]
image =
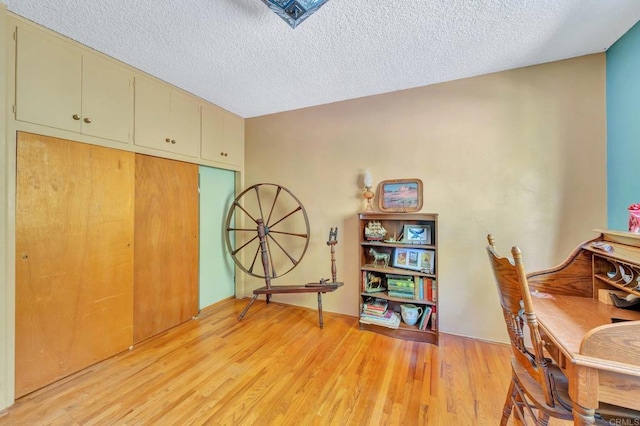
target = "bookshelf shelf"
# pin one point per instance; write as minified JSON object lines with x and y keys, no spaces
{"x":408,"y":270}
{"x":399,"y":271}
{"x":386,"y":296}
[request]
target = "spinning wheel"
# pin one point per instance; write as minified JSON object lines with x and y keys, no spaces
{"x":285,"y":226}
{"x":278,"y":238}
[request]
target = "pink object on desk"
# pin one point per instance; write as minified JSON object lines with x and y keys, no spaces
{"x":634,"y":218}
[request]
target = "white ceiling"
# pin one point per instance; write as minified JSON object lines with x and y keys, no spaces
{"x":241,"y":56}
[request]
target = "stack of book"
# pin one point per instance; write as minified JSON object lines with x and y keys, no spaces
{"x":430,"y":287}
{"x":375,"y":311}
{"x":424,"y":319}
{"x":401,"y":286}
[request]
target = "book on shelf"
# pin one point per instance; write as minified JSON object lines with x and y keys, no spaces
{"x":428,"y":288}
{"x":378,"y":312}
{"x":400,"y":294}
{"x":408,"y":289}
{"x":402,"y":286}
{"x":366,"y":311}
{"x":392,"y":322}
{"x":424,"y":319}
{"x":433,"y":318}
{"x":420,"y":287}
{"x":400,"y":279}
{"x":375,"y":304}
{"x":377,"y":315}
{"x":434,"y":291}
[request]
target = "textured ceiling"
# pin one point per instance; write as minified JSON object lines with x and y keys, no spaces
{"x":243,"y":57}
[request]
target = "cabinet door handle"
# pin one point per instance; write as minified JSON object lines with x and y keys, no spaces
{"x":225,"y":154}
{"x":173,"y":141}
{"x":167,"y":140}
{"x":87,"y":120}
{"x":75,"y":117}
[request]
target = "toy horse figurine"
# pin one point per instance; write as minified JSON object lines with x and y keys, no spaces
{"x":374,"y":284}
{"x":382,"y":257}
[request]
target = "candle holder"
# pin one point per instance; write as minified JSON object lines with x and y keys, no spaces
{"x":367,"y":193}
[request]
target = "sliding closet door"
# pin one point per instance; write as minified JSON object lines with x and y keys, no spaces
{"x":166,"y":245}
{"x":74,"y":257}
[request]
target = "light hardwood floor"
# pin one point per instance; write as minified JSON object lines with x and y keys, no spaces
{"x":277,"y":367}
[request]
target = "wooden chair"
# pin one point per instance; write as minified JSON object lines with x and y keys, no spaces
{"x":533,"y":377}
{"x":537,"y":383}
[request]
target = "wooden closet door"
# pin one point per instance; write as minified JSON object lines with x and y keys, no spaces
{"x":166,"y":245}
{"x":74,"y":257}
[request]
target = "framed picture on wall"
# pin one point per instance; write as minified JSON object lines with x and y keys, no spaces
{"x":400,"y":195}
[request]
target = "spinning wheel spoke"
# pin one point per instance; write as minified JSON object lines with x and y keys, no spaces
{"x":283,"y":218}
{"x":253,"y":262}
{"x":291,"y":238}
{"x":246,"y":212}
{"x":242,"y":229}
{"x":275,"y":200}
{"x":294,"y":261}
{"x":233,"y":252}
{"x":271,"y":231}
{"x":257,"y":191}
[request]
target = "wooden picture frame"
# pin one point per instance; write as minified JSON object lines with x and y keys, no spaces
{"x":422,"y":260}
{"x":400,"y":195}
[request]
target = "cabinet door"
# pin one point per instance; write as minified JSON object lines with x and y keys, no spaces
{"x":107,"y":100}
{"x":234,"y":139}
{"x":222,"y":136}
{"x":48,"y":77}
{"x":152,"y":114}
{"x":213,"y":134}
{"x":166,"y":245}
{"x":74,"y":257}
{"x":185,"y":124}
{"x":166,"y":119}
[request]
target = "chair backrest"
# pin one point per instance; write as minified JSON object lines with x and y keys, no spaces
{"x":517,"y":307}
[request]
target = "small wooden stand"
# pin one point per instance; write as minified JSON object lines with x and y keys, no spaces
{"x":323,"y":286}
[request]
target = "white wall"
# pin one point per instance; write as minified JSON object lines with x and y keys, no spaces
{"x":520,"y":154}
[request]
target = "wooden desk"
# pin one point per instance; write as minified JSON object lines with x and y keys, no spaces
{"x":601,"y":359}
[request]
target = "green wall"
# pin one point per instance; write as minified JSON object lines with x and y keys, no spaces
{"x":217,"y":279}
{"x":623,"y":128}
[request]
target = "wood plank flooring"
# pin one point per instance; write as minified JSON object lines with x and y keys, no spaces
{"x":277,"y":367}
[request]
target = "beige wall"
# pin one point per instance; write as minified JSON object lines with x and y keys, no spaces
{"x":520,"y":154}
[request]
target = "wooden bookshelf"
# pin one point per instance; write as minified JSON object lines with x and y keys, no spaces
{"x":395,"y":256}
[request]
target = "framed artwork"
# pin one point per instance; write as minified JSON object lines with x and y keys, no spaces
{"x":415,"y":259}
{"x":400,"y":195}
{"x":416,"y":234}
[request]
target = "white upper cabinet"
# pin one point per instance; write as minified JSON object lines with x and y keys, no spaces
{"x":107,"y":100}
{"x":222,"y":136}
{"x":166,"y":119}
{"x":65,"y":88}
{"x":234,"y":138}
{"x":62,"y":86}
